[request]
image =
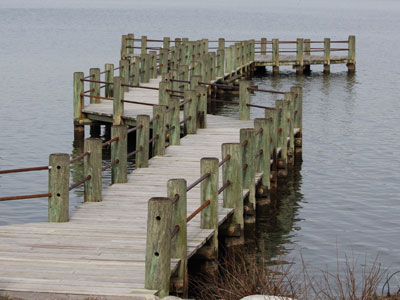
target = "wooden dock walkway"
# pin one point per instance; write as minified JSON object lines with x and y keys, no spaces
{"x":207,"y":173}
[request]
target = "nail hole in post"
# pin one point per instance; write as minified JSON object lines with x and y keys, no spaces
{"x":158,"y":218}
{"x":156,"y":254}
{"x":58,"y":167}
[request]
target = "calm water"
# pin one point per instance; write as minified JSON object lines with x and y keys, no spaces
{"x":347,"y":194}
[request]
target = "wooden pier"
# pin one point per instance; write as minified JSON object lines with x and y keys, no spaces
{"x":198,"y":177}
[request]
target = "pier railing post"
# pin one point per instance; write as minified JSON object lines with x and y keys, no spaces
{"x":263,"y":160}
{"x":212,"y":58}
{"x":153,"y":64}
{"x":143,"y":75}
{"x":166,"y":43}
{"x":135,"y":70}
{"x":263,"y":46}
{"x":201,"y":93}
{"x":300,"y":56}
{"x":327,"y":55}
{"x":244,"y":99}
{"x":351,"y":65}
{"x":298,"y":118}
{"x":142,"y":141}
{"x":78,"y":104}
{"x":247,"y":141}
{"x":209,"y":192}
{"x":119,"y":151}
{"x":220,"y":63}
{"x":158,"y":245}
{"x":130,"y":43}
{"x":289,"y":119}
{"x":163,"y":94}
{"x":118,"y":105}
{"x":177,"y":188}
{"x":123,"y":46}
{"x":175,"y":132}
{"x":143,"y":45}
{"x":282,"y":135}
{"x":124,"y":72}
{"x":275,"y":56}
{"x":163,"y":60}
{"x":233,"y":193}
{"x":184,"y":76}
{"x":307,"y":47}
{"x":58,"y":187}
{"x":272,"y":116}
{"x":252,"y":50}
{"x":94,"y":86}
{"x":109,"y":77}
{"x":92,"y":168}
{"x":228,"y":59}
{"x":190,"y":111}
{"x":159,"y":129}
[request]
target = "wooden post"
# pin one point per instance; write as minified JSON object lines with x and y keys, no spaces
{"x":92,"y":168}
{"x":183,"y":75}
{"x":327,"y":55}
{"x":163,"y":60}
{"x":300,"y":57}
{"x":147,"y":69}
{"x":124,"y":72}
{"x":232,"y":171}
{"x":252,"y":50}
{"x":158,"y":245}
{"x":307,"y":47}
{"x":190,"y":110}
{"x":220,"y":63}
{"x":272,"y":116}
{"x":109,"y":77}
{"x":166,"y":43}
{"x":123,"y":46}
{"x":244,"y":99}
{"x":194,"y":81}
{"x":221,"y":44}
{"x":351,"y":65}
{"x":118,"y":105}
{"x":275,"y":56}
{"x":119,"y":151}
{"x":94,"y":86}
{"x":298,"y":118}
{"x":144,"y":45}
{"x":142,"y":141}
{"x":153,"y":64}
{"x":163,"y":94}
{"x":263,"y":162}
{"x":209,"y":191}
{"x":135,"y":70}
{"x":212,"y":61}
{"x":159,"y":129}
{"x":175,"y":133}
{"x":201,"y":93}
{"x":58,"y":187}
{"x":78,"y":99}
{"x":263,"y":46}
{"x":228,"y":60}
{"x":248,"y":163}
{"x":130,"y":43}
{"x":143,"y":58}
{"x":289,"y":102}
{"x":178,"y":187}
{"x":282,"y":132}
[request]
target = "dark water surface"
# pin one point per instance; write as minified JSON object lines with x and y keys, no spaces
{"x":347,"y":194}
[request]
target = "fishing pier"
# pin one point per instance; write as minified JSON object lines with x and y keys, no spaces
{"x":198,"y":177}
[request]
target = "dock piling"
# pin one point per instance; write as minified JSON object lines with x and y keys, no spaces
{"x":142,"y":140}
{"x":92,"y":168}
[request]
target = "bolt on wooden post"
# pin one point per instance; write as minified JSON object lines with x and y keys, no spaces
{"x":58,"y":210}
{"x":142,"y":140}
{"x":159,"y":129}
{"x":177,"y":188}
{"x":92,"y":168}
{"x":158,"y":245}
{"x":119,"y":152}
{"x":233,"y":194}
{"x":244,"y":99}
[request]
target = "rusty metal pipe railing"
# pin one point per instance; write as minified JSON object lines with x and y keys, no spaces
{"x":175,"y":91}
{"x":110,"y":141}
{"x":259,"y":131}
{"x":24,"y":170}
{"x":228,"y":157}
{"x":174,"y":231}
{"x":135,"y":128}
{"x":25,"y":197}
{"x":137,"y":102}
{"x":169,"y":129}
{"x":153,"y":138}
{"x":185,"y":119}
{"x":195,"y":213}
{"x":135,"y":152}
{"x":222,"y":86}
{"x":265,"y":91}
{"x":78,"y":183}
{"x":222,"y":101}
{"x":259,"y":106}
{"x":110,"y":165}
{"x":79,"y":157}
{"x":259,"y":153}
{"x":226,"y":184}
{"x":205,"y":176}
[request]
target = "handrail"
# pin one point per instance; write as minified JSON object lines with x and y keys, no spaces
{"x":25,"y":197}
{"x":23,"y":170}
